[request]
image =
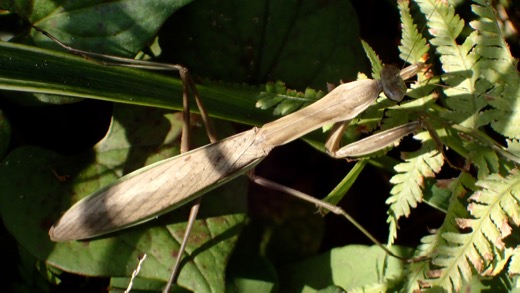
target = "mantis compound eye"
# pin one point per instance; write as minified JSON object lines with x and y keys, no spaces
{"x":394,"y":86}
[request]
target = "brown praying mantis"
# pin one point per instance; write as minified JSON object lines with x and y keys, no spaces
{"x":123,"y":203}
{"x":168,"y":184}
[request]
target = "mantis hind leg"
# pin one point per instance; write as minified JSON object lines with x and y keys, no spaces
{"x":323,"y":205}
{"x":189,"y":86}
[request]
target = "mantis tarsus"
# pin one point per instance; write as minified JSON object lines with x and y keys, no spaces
{"x":128,"y":201}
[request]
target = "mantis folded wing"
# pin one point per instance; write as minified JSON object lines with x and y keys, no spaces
{"x":142,"y":194}
{"x":170,"y":183}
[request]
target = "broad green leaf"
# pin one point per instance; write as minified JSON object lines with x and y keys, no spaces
{"x":354,"y":267}
{"x":110,"y":27}
{"x":303,"y":43}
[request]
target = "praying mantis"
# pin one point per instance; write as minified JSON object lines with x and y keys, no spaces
{"x":123,"y":203}
{"x":128,"y":201}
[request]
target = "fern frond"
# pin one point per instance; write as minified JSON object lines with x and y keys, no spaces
{"x":483,"y":251}
{"x":482,"y":65}
{"x":408,"y":183}
{"x":498,"y":70}
{"x":458,"y":257}
{"x":413,"y":45}
{"x":286,"y":101}
{"x":374,"y":59}
{"x":459,"y":63}
{"x":432,"y":243}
